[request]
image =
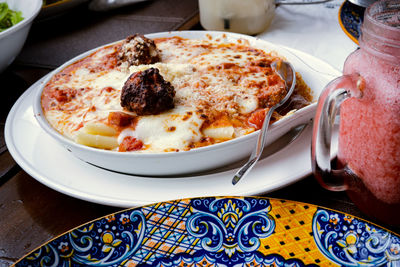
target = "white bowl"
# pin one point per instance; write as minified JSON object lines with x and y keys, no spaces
{"x":314,"y":72}
{"x":13,"y":39}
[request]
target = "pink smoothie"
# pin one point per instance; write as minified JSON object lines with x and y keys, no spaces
{"x":369,"y":139}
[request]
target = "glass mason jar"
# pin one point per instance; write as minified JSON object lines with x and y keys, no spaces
{"x":241,"y":16}
{"x":366,"y":102}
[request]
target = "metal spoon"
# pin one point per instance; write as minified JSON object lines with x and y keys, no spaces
{"x":286,"y":71}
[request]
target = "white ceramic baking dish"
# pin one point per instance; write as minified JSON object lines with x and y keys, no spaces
{"x":315,"y":73}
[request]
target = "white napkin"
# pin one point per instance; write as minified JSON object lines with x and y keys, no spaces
{"x":313,"y":29}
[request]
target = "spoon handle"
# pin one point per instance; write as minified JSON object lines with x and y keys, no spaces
{"x":286,"y":71}
{"x":245,"y":169}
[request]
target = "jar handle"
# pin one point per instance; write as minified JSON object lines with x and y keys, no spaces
{"x":328,"y":108}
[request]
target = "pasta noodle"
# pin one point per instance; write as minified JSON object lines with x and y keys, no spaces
{"x":99,"y":129}
{"x":95,"y":140}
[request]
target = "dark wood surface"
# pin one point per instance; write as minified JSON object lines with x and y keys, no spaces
{"x":31,"y":213}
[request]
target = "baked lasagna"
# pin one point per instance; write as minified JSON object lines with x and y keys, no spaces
{"x":167,"y":94}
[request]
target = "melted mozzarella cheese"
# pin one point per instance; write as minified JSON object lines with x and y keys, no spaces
{"x":114,"y":79}
{"x":247,"y":104}
{"x":171,"y":131}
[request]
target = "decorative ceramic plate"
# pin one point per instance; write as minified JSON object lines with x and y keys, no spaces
{"x":226,"y":231}
{"x":351,"y":17}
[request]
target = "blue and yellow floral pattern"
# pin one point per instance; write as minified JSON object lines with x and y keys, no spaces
{"x":222,"y":231}
{"x":100,"y":243}
{"x":352,"y":242}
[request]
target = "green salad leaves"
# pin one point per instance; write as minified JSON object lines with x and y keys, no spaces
{"x":8,"y":17}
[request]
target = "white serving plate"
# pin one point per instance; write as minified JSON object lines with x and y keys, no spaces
{"x":205,"y":158}
{"x":51,"y":164}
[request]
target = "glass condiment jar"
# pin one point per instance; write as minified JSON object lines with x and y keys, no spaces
{"x":241,"y":16}
{"x":366,"y":99}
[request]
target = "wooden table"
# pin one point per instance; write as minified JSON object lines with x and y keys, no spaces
{"x":31,"y":213}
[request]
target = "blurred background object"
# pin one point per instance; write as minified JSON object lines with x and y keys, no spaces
{"x":248,"y":17}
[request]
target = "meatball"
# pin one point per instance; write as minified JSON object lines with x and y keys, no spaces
{"x":147,"y":93}
{"x":137,"y":49}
